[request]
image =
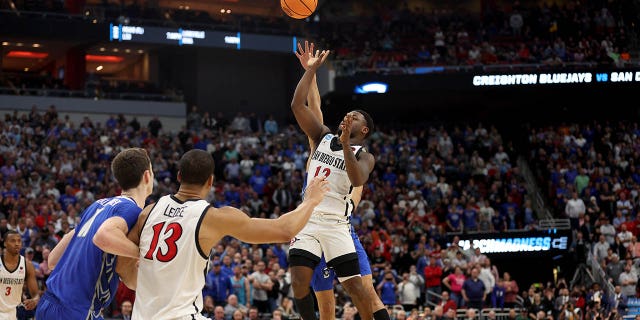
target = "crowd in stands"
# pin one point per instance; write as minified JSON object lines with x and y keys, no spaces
{"x":590,"y":176}
{"x":391,"y":35}
{"x":430,"y":185}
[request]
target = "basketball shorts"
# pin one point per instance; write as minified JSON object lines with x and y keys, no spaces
{"x":50,"y":308}
{"x":327,"y":235}
{"x":323,"y":275}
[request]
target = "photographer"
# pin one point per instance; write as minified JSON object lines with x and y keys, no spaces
{"x":387,"y":290}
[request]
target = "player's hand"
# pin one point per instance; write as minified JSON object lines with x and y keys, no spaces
{"x":305,"y":54}
{"x":30,"y":304}
{"x":317,"y":59}
{"x":345,"y":126}
{"x":316,"y":190}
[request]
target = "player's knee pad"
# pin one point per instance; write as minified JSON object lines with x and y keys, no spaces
{"x":301,"y":258}
{"x":345,"y":266}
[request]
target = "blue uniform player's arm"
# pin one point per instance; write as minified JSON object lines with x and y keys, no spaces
{"x":58,"y":250}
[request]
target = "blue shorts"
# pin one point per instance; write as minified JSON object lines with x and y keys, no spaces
{"x":50,"y":308}
{"x":323,"y":276}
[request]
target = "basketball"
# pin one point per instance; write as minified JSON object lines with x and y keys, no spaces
{"x":298,"y":9}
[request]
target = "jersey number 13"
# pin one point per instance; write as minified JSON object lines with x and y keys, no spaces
{"x":170,"y":235}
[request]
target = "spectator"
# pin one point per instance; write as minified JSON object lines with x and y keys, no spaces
{"x":627,"y":281}
{"x":473,"y":291}
{"x":233,"y":305}
{"x":608,"y":230}
{"x":270,"y":126}
{"x":286,"y":307}
{"x":432,"y":276}
{"x":282,"y":197}
{"x":126,"y":307}
{"x":497,"y":295}
{"x":194,"y":119}
{"x":536,"y":307}
{"x":407,"y":293}
{"x":240,"y":284}
{"x":624,"y":236}
{"x":387,"y":290}
{"x":261,"y":285}
{"x":624,"y":205}
{"x":218,"y":313}
{"x":454,"y":283}
{"x":574,"y":208}
{"x":237,"y":315}
{"x":208,"y":307}
{"x":155,"y":126}
{"x":600,"y":248}
{"x":446,"y":303}
{"x":634,"y":249}
{"x":511,"y":290}
{"x":218,"y":285}
{"x":487,"y":277}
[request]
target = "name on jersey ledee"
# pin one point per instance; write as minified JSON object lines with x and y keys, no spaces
{"x":174,"y":212}
{"x":329,"y":160}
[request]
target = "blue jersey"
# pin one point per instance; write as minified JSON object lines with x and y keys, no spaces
{"x":84,"y":280}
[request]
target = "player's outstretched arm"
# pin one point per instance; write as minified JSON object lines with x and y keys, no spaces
{"x":313,"y":97}
{"x":32,"y":285}
{"x":233,"y":222}
{"x":58,"y":250}
{"x":310,"y":124}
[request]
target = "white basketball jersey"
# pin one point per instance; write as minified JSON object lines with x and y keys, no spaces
{"x":11,"y":283}
{"x":328,"y":160}
{"x":172,"y":268}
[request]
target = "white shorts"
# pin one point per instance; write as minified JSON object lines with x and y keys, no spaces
{"x":325,"y":234}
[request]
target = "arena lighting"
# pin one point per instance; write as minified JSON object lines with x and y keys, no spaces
{"x":371,"y":87}
{"x":98,"y":58}
{"x":27,"y":54}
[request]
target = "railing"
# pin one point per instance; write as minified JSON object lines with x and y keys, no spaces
{"x":433,"y":296}
{"x":544,"y":224}
{"x":559,"y":224}
{"x":90,"y":94}
{"x":533,"y":189}
{"x":592,"y":271}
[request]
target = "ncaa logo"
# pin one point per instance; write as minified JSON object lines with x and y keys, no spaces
{"x":326,"y":273}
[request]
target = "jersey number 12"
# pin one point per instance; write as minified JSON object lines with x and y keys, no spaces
{"x":325,"y":171}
